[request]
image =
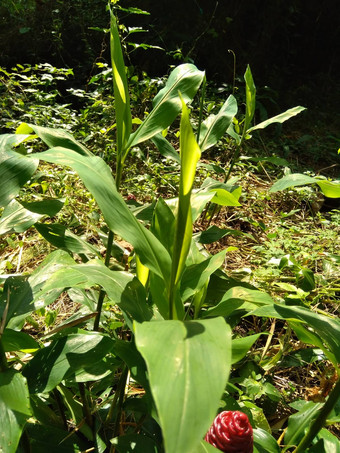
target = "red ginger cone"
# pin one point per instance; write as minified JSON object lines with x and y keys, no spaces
{"x":231,"y":432}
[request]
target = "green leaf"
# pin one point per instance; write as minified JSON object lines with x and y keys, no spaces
{"x":58,"y":137}
{"x":25,"y":292}
{"x":190,"y":154}
{"x":165,"y":148}
{"x":278,"y":118}
{"x":298,"y":423}
{"x":62,"y":238}
{"x":15,"y":169}
{"x":197,"y":275}
{"x":77,"y":357}
{"x":163,"y":225}
{"x":264,"y":442}
{"x":292,"y":180}
{"x":188,"y":369}
{"x":330,"y":189}
{"x":309,"y":337}
{"x":13,"y":340}
{"x":18,"y":217}
{"x":224,"y":198}
{"x":15,"y":218}
{"x":204,"y":447}
{"x":241,"y":346}
{"x":327,"y":328}
{"x":238,"y":297}
{"x":51,"y":439}
{"x":134,"y":443}
{"x":185,"y":79}
{"x":97,"y":177}
{"x":14,"y":409}
{"x":215,"y":126}
{"x":214,"y":233}
{"x":121,"y":91}
{"x":121,"y":287}
{"x":250,"y":98}
{"x":326,"y":443}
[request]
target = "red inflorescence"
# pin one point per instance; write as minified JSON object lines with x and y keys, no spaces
{"x":231,"y":432}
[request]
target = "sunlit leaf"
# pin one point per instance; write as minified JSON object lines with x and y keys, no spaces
{"x":185,"y":79}
{"x":15,"y":168}
{"x":14,"y":409}
{"x":215,"y":126}
{"x":188,"y":368}
{"x":278,"y":118}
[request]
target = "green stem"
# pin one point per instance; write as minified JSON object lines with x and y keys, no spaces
{"x":3,"y":360}
{"x":102,"y":292}
{"x":320,"y":420}
{"x":118,"y":400}
{"x":60,"y":407}
{"x":86,"y":408}
{"x":121,"y":395}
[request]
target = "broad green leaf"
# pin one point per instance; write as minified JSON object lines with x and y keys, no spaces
{"x":204,"y":447}
{"x":121,"y":91}
{"x":121,"y":287}
{"x":15,"y":169}
{"x":127,"y":351}
{"x":224,"y":198}
{"x":198,"y":202}
{"x":278,"y":118}
{"x":13,"y":340}
{"x":188,"y":368}
{"x":75,"y":409}
{"x":271,"y":159}
{"x":25,"y":292}
{"x":190,"y":154}
{"x":309,"y":337}
{"x":327,"y":328}
{"x":165,"y":148}
{"x":197,"y":275}
{"x":330,"y":189}
{"x":51,"y":439}
{"x":214,"y":233}
{"x":250,"y":98}
{"x":163,"y":225}
{"x":292,"y":180}
{"x":134,"y":443}
{"x":97,"y":177}
{"x":264,"y":442}
{"x":185,"y":79}
{"x":15,"y":218}
{"x":47,"y":206}
{"x":215,"y":126}
{"x":58,"y":137}
{"x":68,"y":358}
{"x":237,"y":297}
{"x":302,"y":357}
{"x":14,"y":409}
{"x":18,"y":217}
{"x":326,"y":442}
{"x":62,"y":238}
{"x":299,"y":423}
{"x":241,"y":346}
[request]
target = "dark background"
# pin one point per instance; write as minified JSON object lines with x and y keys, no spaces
{"x":291,"y":45}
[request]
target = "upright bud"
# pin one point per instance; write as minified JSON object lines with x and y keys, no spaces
{"x":231,"y":432}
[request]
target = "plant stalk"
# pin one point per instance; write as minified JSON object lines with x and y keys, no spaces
{"x":102,"y":292}
{"x":320,"y":420}
{"x":86,"y":408}
{"x":3,"y":360}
